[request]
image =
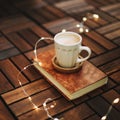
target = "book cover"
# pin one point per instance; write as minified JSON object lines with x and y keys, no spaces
{"x":72,"y":85}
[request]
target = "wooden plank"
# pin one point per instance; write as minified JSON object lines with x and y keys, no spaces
{"x":70,"y":4}
{"x":111,"y":7}
{"x":12,"y":20}
{"x":41,"y":33}
{"x":116,"y":76}
{"x":98,"y":102}
{"x":117,"y":41}
{"x":107,"y":57}
{"x":110,"y":96}
{"x":4,"y":112}
{"x":101,"y":21}
{"x":109,"y":27}
{"x":55,"y":11}
{"x":36,"y":16}
{"x":94,"y":46}
{"x":118,"y":89}
{"x":91,"y":24}
{"x":5,"y":86}
{"x":30,"y":72}
{"x":103,"y":2}
{"x":109,"y":85}
{"x":19,"y":42}
{"x":93,"y":3}
{"x":105,"y":16}
{"x":31,"y":37}
{"x":46,"y":14}
{"x":80,"y":112}
{"x":18,"y":94}
{"x":113,"y":1}
{"x":8,"y":53}
{"x":96,"y":92}
{"x":11,"y":72}
{"x":81,"y":99}
{"x":67,"y":23}
{"x":75,"y":6}
{"x":116,"y":13}
{"x":28,"y":5}
{"x":30,"y":55}
{"x":94,"y":117}
{"x":61,"y":105}
{"x":113,"y":35}
{"x":24,"y":106}
{"x":101,"y":40}
{"x":51,"y":2}
{"x":111,"y":67}
{"x":17,"y":27}
{"x":4,"y":44}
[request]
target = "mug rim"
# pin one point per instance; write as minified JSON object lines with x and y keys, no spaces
{"x":68,"y":32}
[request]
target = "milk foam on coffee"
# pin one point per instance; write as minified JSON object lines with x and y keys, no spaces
{"x":68,"y":39}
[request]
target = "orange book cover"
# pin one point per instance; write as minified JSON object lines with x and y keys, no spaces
{"x":72,"y":85}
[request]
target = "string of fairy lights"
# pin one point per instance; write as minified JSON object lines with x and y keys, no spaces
{"x":82,"y":27}
{"x":115,"y":101}
{"x":37,"y":108}
{"x":46,"y":108}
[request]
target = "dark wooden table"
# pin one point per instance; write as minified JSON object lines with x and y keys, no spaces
{"x":23,"y":22}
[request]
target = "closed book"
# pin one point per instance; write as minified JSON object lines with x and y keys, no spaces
{"x":71,"y":85}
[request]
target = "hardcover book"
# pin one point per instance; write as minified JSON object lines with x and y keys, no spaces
{"x":71,"y":85}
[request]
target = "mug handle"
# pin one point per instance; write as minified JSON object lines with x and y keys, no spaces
{"x":89,"y":53}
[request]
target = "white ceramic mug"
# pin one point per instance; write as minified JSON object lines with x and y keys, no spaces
{"x":68,"y":47}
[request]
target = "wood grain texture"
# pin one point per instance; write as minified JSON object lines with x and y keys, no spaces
{"x":32,"y":88}
{"x":4,"y":112}
{"x":5,"y":86}
{"x":97,"y":103}
{"x":19,"y":42}
{"x":11,"y":72}
{"x":23,"y":22}
{"x":4,"y":44}
{"x":106,"y":57}
{"x":31,"y":72}
{"x":114,"y":95}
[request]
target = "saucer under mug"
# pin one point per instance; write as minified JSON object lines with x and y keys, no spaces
{"x":74,"y":69}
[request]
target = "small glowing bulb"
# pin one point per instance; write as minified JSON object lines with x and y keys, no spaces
{"x":81,"y":30}
{"x":30,"y":98}
{"x":56,"y":119}
{"x":35,"y":107}
{"x":116,"y":100}
{"x":40,"y":63}
{"x":104,"y":118}
{"x":77,"y":25}
{"x":96,"y":16}
{"x":44,"y":104}
{"x":64,"y":30}
{"x":84,"y":19}
{"x":20,"y":83}
{"x":25,"y":68}
{"x":34,"y":51}
{"x":86,"y":30}
{"x":52,"y":106}
{"x":42,"y":38}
